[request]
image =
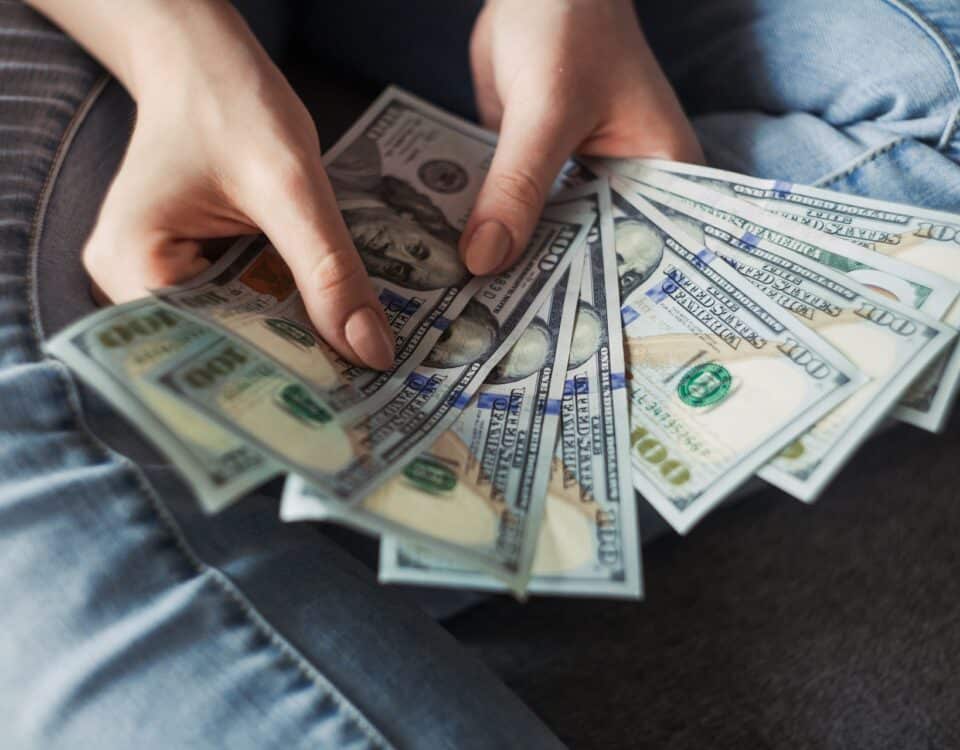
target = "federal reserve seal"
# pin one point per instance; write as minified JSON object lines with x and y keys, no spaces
{"x":443,"y":176}
{"x":705,"y":385}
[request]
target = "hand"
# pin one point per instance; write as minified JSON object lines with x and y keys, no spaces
{"x":557,"y":77}
{"x":222,"y":146}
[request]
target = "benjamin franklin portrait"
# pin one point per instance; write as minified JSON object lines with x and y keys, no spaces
{"x":639,"y":251}
{"x":474,"y":336}
{"x":401,"y":235}
{"x":692,"y":229}
{"x":527,"y":356}
{"x":588,"y":335}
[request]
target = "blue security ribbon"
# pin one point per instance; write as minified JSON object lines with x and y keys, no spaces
{"x":782,"y":188}
{"x":421,"y":383}
{"x":706,"y":256}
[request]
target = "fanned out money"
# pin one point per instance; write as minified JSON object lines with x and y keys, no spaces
{"x":670,"y":332}
{"x":890,"y":342}
{"x":478,"y":492}
{"x":927,"y":244}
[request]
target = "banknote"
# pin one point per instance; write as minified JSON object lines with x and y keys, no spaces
{"x":889,"y":341}
{"x":719,"y":377}
{"x":114,"y":349}
{"x":406,"y":176}
{"x":588,"y":543}
{"x":347,"y":457}
{"x":928,"y":241}
{"x":478,"y":492}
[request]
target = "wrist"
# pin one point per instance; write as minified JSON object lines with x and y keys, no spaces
{"x":140,"y":40}
{"x":184,"y":42}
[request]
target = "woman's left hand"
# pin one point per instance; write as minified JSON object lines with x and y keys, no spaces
{"x":557,"y":77}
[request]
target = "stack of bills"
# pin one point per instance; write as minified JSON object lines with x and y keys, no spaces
{"x":670,"y":332}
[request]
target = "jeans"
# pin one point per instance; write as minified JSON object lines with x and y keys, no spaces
{"x":130,"y":618}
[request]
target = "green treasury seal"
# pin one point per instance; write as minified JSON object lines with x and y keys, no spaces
{"x":705,"y":385}
{"x":430,"y":475}
{"x":298,"y":402}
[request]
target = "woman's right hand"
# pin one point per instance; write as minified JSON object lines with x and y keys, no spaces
{"x":222,"y":146}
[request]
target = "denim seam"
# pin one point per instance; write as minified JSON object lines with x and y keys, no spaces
{"x":223,"y":582}
{"x":857,"y":163}
{"x":950,"y":54}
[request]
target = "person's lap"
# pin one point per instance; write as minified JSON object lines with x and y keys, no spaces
{"x":131,"y":615}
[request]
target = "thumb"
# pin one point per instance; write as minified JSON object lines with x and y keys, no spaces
{"x":533,"y":146}
{"x":306,"y":227}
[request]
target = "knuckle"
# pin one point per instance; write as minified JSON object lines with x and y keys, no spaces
{"x":335,"y":271}
{"x":520,"y":188}
{"x":291,"y":177}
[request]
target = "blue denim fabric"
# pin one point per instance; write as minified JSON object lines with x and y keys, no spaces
{"x":132,"y":619}
{"x":861,"y":96}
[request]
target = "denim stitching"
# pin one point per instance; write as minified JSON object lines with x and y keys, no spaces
{"x":857,"y":163}
{"x":950,"y":54}
{"x":222,"y":581}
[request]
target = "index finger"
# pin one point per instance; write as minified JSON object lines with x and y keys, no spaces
{"x":534,"y":144}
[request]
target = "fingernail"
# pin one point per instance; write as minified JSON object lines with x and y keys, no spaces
{"x":369,"y":337}
{"x":488,"y":249}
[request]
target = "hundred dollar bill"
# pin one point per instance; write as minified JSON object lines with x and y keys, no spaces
{"x":890,"y":342}
{"x":926,"y":241}
{"x":719,"y":377}
{"x":588,"y":543}
{"x":477,"y":494}
{"x":114,"y":349}
{"x":347,"y":457}
{"x":406,"y":176}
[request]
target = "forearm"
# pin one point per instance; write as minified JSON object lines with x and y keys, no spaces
{"x":140,"y":40}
